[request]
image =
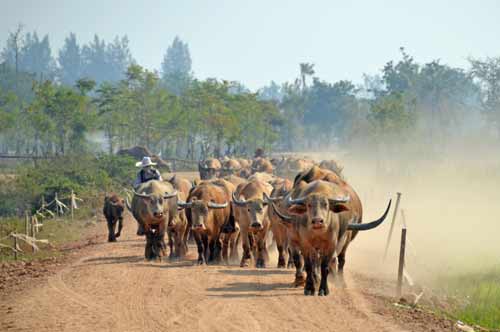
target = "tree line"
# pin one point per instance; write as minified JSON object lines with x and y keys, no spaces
{"x":59,"y":107}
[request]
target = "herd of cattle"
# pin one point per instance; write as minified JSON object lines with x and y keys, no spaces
{"x":312,"y":219}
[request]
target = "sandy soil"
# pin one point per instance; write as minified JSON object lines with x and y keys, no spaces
{"x":109,"y":287}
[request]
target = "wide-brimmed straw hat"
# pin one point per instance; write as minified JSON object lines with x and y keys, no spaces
{"x":146,"y":161}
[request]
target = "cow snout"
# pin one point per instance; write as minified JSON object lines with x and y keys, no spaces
{"x":198,"y":227}
{"x":158,"y":214}
{"x":317,"y":222}
{"x":256,"y":225}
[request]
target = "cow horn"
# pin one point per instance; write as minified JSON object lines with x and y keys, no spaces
{"x":338,"y":200}
{"x":237,"y":201}
{"x":173,"y":194}
{"x":184,"y":205}
{"x":141,"y":195}
{"x":284,"y":218}
{"x":172,"y":179}
{"x":213,"y":205}
{"x":370,"y":225}
{"x":272,"y":199}
{"x":297,"y":201}
{"x":127,"y":203}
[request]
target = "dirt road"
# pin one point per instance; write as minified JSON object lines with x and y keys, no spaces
{"x":111,"y":288}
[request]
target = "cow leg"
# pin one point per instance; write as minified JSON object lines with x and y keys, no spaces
{"x":246,"y":248}
{"x":341,"y":263}
{"x":148,"y":250}
{"x":235,"y":239}
{"x":325,"y":267}
{"x":225,"y":247}
{"x":199,"y":245}
{"x":291,"y":262}
{"x":299,"y":274}
{"x":206,"y":248}
{"x":261,"y":252}
{"x":281,"y":256}
{"x":310,"y":286}
{"x":215,"y":250}
{"x":120,"y":226}
{"x":111,"y":230}
{"x":171,"y":235}
{"x":140,"y":229}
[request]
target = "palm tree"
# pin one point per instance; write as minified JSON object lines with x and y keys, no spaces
{"x":306,"y":69}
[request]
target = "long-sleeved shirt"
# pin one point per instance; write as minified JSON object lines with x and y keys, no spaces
{"x":146,"y":175}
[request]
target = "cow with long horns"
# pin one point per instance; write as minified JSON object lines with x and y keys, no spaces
{"x":154,"y":206}
{"x":324,"y":215}
{"x":250,"y":211}
{"x":209,"y":168}
{"x":208,"y":209}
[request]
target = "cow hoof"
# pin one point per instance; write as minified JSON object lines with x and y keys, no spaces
{"x":323,"y":292}
{"x":117,"y":235}
{"x":308,"y":292}
{"x":111,"y":240}
{"x":299,"y":281}
{"x":281,"y":264}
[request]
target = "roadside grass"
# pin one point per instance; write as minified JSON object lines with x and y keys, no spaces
{"x":477,"y":297}
{"x":58,"y":231}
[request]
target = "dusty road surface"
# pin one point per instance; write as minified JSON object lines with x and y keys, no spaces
{"x":111,"y":288}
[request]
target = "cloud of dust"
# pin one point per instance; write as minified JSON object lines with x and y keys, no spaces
{"x":450,"y":199}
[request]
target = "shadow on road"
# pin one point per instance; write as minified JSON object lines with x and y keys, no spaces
{"x":113,"y":260}
{"x":255,"y":272}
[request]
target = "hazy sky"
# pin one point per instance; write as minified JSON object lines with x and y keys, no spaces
{"x":256,"y":41}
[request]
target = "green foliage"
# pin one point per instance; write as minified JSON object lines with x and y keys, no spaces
{"x":176,"y":67}
{"x":393,"y":116}
{"x":478,"y":297}
{"x":85,"y":174}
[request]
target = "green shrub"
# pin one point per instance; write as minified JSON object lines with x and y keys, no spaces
{"x":86,"y":175}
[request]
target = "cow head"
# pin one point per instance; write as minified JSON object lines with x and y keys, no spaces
{"x":320,"y":211}
{"x":254,"y":209}
{"x":200,"y":211}
{"x":156,"y":204}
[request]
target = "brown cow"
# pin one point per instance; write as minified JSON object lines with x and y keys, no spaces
{"x":251,"y":215}
{"x":280,"y":231}
{"x":178,"y":231}
{"x":289,"y":167}
{"x":332,"y":165}
{"x":244,"y":163}
{"x":262,"y":165}
{"x":154,"y":206}
{"x":230,"y":166}
{"x":324,"y":216}
{"x":113,"y":211}
{"x":209,"y":168}
{"x":209,"y":210}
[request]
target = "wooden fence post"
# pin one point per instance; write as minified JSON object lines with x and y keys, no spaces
{"x":15,"y":248}
{"x":401,"y":263}
{"x":392,"y":225}
{"x":72,"y":203}
{"x":26,"y":224}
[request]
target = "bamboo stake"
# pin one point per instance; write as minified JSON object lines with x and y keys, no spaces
{"x":392,"y":225}
{"x":401,"y":263}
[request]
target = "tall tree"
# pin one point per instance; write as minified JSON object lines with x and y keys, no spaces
{"x":70,"y":60}
{"x":487,"y":72}
{"x":94,"y":60}
{"x":119,"y":58}
{"x":176,"y":67}
{"x":37,"y":56}
{"x":306,"y":70}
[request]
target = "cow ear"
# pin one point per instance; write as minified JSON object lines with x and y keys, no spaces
{"x":337,"y":208}
{"x":297,"y":209}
